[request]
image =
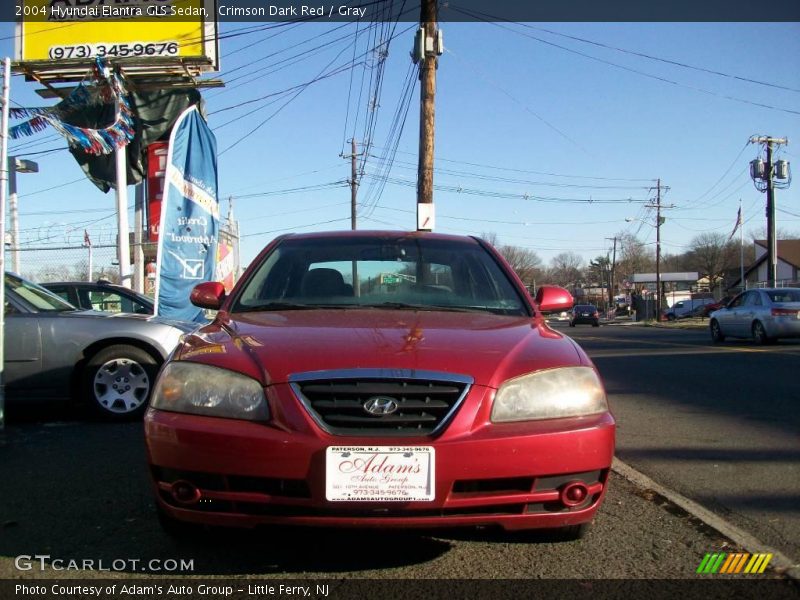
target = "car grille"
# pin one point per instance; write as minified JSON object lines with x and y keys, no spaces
{"x":407,"y":402}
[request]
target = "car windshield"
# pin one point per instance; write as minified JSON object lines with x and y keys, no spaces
{"x":390,"y":272}
{"x":35,"y":295}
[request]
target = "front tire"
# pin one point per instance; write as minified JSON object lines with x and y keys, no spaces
{"x":118,"y":381}
{"x":716,"y":333}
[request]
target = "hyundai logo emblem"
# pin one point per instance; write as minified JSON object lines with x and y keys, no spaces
{"x":380,"y":405}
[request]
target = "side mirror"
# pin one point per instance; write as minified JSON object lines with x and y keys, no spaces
{"x":551,"y":298}
{"x":210,"y":294}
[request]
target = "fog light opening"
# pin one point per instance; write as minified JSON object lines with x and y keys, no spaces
{"x":574,"y":493}
{"x":185,"y":492}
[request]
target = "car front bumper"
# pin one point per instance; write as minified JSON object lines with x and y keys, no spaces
{"x":242,"y":474}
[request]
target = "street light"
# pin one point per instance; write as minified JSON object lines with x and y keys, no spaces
{"x":659,"y":222}
{"x":16,"y":165}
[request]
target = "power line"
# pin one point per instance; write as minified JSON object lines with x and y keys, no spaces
{"x":386,"y":160}
{"x":472,"y":175}
{"x":663,"y":60}
{"x":501,"y":222}
{"x":519,"y":102}
{"x":296,"y":227}
{"x":530,"y":172}
{"x":55,"y":187}
{"x":496,"y":194}
{"x":284,"y":105}
{"x":307,"y":188}
{"x":490,"y":19}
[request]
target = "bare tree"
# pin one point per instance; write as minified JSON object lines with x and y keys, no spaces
{"x":710,"y":254}
{"x":525,"y":262}
{"x":780,"y":234}
{"x":566,"y":269}
{"x":634,"y":257}
{"x":54,"y":273}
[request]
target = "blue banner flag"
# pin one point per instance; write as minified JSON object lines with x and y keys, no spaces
{"x":187,"y":243}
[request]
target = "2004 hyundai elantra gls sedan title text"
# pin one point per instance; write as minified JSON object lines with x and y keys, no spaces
{"x":379,"y":379}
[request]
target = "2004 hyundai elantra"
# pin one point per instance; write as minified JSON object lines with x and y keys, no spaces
{"x":379,"y":379}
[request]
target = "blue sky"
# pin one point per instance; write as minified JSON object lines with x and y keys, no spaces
{"x":517,"y":119}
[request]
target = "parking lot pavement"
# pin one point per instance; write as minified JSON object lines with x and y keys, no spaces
{"x":76,"y":490}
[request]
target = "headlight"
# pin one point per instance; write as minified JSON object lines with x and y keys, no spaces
{"x":187,"y":387}
{"x":550,"y":394}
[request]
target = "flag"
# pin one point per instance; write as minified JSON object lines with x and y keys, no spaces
{"x":189,"y":229}
{"x":86,"y":240}
{"x":738,"y":224}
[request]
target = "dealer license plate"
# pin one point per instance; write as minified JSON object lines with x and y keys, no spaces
{"x":380,"y":473}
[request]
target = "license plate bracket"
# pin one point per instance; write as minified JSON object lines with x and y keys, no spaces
{"x":380,"y":473}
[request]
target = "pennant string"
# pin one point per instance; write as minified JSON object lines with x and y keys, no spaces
{"x":101,"y":86}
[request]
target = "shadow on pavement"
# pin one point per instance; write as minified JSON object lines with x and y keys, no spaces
{"x":79,"y":490}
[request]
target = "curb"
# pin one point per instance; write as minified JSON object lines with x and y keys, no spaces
{"x":739,"y":536}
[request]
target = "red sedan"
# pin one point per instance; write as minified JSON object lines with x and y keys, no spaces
{"x":380,"y":379}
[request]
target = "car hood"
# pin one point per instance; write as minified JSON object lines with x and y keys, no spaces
{"x":184,"y":326}
{"x":272,"y":346}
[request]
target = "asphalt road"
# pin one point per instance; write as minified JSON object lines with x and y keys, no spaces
{"x":76,"y":490}
{"x":718,"y":423}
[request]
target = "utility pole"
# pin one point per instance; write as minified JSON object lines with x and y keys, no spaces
{"x":772,"y":243}
{"x":427,"y":48}
{"x":766,"y":174}
{"x":659,"y":222}
{"x":6,"y":97}
{"x":613,"y":269}
{"x":658,"y":252}
{"x":353,"y":196}
{"x":353,"y":183}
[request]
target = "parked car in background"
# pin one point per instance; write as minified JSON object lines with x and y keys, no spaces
{"x":709,"y":308}
{"x":762,"y":314}
{"x":55,"y":352}
{"x":683,"y":309}
{"x":102,"y":295}
{"x":379,"y":379}
{"x":585,"y":313}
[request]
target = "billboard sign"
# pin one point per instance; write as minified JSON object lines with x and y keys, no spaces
{"x":95,"y":28}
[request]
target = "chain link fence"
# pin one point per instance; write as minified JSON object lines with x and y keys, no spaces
{"x":42,"y":259}
{"x":67,"y":263}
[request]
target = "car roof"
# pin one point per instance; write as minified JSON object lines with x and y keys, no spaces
{"x":92,"y":284}
{"x":362,"y":233}
{"x":97,"y":285}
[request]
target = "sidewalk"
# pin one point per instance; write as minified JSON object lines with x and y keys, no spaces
{"x":681,"y":324}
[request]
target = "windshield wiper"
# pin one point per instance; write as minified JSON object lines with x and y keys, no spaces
{"x":428,"y":307}
{"x":276,"y":306}
{"x":394,"y":305}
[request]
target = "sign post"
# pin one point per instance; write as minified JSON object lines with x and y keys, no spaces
{"x":3,"y":190}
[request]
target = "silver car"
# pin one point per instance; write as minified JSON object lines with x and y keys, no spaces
{"x":762,"y":314}
{"x":56,"y":352}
